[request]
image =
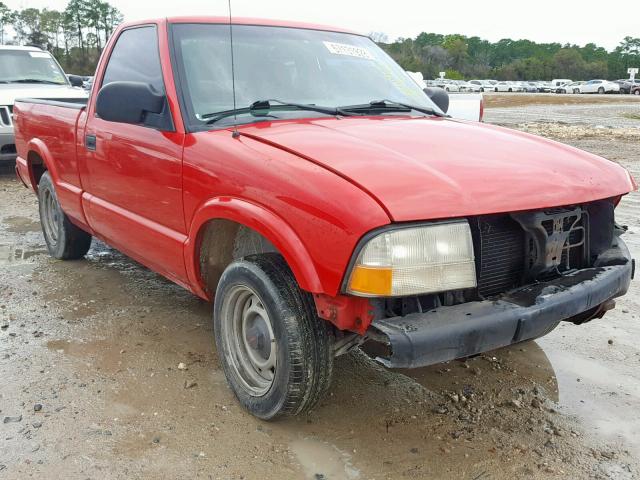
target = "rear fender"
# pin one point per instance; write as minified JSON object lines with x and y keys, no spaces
{"x":266,"y":223}
{"x":69,"y":195}
{"x":38,"y":147}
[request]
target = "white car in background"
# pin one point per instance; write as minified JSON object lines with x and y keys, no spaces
{"x":33,"y":73}
{"x":451,"y":86}
{"x":461,"y":106}
{"x":599,"y":86}
{"x":556,"y":83}
{"x":476,"y":86}
{"x":507,"y":87}
{"x":572,"y":87}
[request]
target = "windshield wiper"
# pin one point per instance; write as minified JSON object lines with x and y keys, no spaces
{"x":35,"y":80}
{"x":391,"y":106}
{"x":266,"y":105}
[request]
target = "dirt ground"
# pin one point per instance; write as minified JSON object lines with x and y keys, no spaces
{"x":90,"y":385}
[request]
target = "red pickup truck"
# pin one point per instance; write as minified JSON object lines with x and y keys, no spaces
{"x":300,"y":180}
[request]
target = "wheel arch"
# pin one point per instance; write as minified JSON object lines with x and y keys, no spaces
{"x":38,"y":161}
{"x":219,"y":221}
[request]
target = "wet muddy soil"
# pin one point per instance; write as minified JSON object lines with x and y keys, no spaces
{"x":91,"y":389}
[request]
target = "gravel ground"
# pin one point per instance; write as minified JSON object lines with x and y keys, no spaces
{"x":91,"y":389}
{"x":618,"y":111}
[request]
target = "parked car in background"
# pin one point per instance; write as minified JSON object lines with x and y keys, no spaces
{"x":544,"y":87}
{"x":600,"y":86}
{"x":88,"y":83}
{"x":463,"y":86}
{"x":28,"y":72}
{"x":556,"y":83}
{"x":476,"y":85}
{"x":533,"y":86}
{"x":503,"y":87}
{"x":626,"y":85}
{"x":573,"y":87}
{"x":528,"y":87}
{"x":449,"y":85}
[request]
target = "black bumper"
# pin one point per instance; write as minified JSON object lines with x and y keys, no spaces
{"x":459,"y":331}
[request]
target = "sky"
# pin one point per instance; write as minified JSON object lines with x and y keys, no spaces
{"x":576,"y":21}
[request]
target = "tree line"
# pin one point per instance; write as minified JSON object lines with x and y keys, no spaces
{"x":75,"y":36}
{"x":463,"y":57}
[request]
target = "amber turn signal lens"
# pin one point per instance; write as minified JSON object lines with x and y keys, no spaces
{"x":371,"y":281}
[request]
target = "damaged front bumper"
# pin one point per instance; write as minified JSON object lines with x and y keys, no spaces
{"x":528,"y":312}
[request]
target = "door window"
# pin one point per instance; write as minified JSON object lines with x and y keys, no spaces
{"x":135,"y":58}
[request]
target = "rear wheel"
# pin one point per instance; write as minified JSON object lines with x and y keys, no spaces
{"x":64,"y":240}
{"x":637,"y":92}
{"x":276,"y":353}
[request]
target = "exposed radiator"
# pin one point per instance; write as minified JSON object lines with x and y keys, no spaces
{"x":502,"y":255}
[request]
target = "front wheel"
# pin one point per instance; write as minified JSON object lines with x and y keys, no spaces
{"x":601,"y":91}
{"x":637,"y":92}
{"x":64,"y":240}
{"x":276,"y":353}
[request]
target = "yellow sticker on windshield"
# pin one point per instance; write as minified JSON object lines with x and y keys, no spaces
{"x":349,"y":50}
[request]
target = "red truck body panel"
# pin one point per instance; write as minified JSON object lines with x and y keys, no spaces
{"x":446,"y":169}
{"x":312,"y":187}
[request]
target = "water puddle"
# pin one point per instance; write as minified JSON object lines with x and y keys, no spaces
{"x":21,"y":225}
{"x":13,"y":254}
{"x":321,"y":460}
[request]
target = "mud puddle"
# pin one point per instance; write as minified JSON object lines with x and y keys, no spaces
{"x":322,"y":460}
{"x":12,"y":254}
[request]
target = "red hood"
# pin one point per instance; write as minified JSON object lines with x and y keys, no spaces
{"x":428,"y":168}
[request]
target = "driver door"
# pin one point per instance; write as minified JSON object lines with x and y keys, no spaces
{"x":133,"y":177}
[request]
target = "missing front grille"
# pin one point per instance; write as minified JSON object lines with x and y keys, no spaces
{"x":556,"y":241}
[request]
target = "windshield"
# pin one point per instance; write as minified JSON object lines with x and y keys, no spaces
{"x":23,"y":66}
{"x":289,"y":64}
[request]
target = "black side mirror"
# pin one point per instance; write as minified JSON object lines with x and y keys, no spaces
{"x":438,"y":96}
{"x":75,"y":80}
{"x":132,"y":102}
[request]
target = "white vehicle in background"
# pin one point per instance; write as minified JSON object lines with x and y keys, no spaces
{"x":461,"y":106}
{"x":573,"y":87}
{"x":451,"y":86}
{"x":544,"y":87}
{"x":600,"y":86}
{"x":508,"y":87}
{"x":476,"y":86}
{"x":33,"y":73}
{"x":557,"y":83}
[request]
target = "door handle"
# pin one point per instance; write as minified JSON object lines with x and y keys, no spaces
{"x":90,"y":142}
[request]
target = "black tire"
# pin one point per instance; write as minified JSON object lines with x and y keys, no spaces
{"x":303,"y":342}
{"x":64,"y":240}
{"x":510,"y":90}
{"x":601,"y":90}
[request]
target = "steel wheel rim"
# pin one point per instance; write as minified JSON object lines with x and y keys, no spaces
{"x":50,"y":217}
{"x":248,"y":335}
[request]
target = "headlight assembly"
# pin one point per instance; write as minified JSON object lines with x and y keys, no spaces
{"x":415,"y":260}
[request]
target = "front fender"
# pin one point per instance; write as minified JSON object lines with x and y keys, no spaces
{"x":265,"y":222}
